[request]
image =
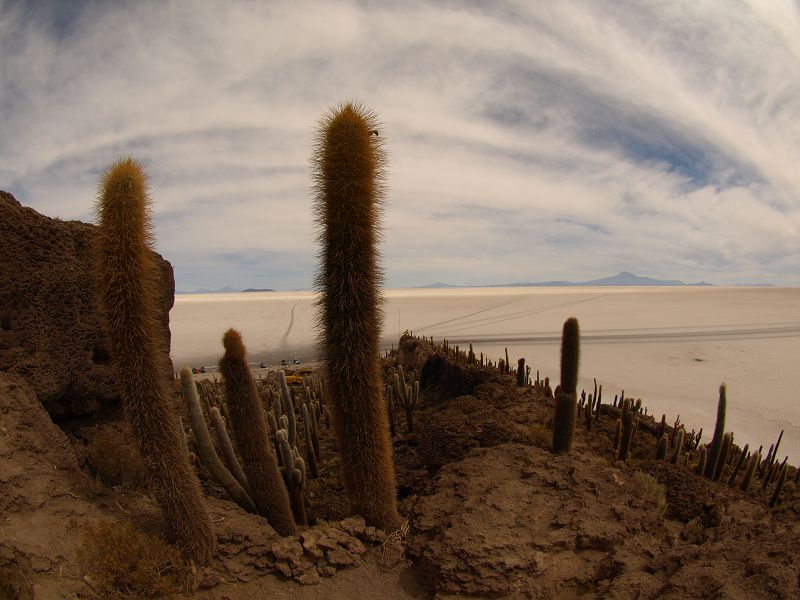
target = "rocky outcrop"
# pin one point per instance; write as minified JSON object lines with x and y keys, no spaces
{"x":520,"y":522}
{"x":50,"y":329}
{"x":43,"y":493}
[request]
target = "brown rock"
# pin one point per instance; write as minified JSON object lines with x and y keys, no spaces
{"x":50,"y":329}
{"x":341,"y":557}
{"x":354,"y":525}
{"x":309,"y":577}
{"x":288,"y":549}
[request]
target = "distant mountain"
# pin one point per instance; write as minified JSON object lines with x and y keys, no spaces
{"x":620,"y":279}
{"x":258,"y":290}
{"x":225,"y":290}
{"x":436,"y":285}
{"x":629,"y":279}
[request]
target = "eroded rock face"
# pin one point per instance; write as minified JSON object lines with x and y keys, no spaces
{"x":51,"y":333}
{"x":520,"y":522}
{"x":42,"y":490}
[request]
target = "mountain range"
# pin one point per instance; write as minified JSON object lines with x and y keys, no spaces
{"x":620,"y":279}
{"x":624,"y":279}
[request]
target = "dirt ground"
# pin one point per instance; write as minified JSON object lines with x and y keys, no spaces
{"x":490,"y":511}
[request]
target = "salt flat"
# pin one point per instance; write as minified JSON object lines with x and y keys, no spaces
{"x":671,"y":346}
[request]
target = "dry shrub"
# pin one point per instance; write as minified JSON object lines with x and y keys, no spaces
{"x":652,"y":490}
{"x":126,"y":563}
{"x":14,"y":585}
{"x":541,"y":435}
{"x":114,"y":458}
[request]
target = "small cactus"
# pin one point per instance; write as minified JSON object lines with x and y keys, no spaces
{"x":722,"y":459}
{"x":617,"y":434}
{"x":662,"y":447}
{"x":250,"y":428}
{"x":739,"y":463}
{"x":701,"y":462}
{"x":779,"y":485}
{"x":755,"y":459}
{"x":227,"y":447}
{"x":628,"y":428}
{"x":310,"y":453}
{"x":288,"y":405}
{"x":294,"y":476}
{"x":566,"y":404}
{"x":205,"y":447}
{"x":678,"y":446}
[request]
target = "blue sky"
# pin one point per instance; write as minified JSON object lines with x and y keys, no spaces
{"x":527,"y":141}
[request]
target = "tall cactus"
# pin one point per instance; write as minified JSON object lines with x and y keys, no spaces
{"x":567,"y":399}
{"x":719,"y":432}
{"x":126,"y":275}
{"x":349,"y":189}
{"x":249,"y":426}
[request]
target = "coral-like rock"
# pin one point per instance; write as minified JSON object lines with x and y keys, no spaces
{"x":50,"y":329}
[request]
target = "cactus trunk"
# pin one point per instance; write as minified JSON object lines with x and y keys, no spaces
{"x":349,"y":178}
{"x":126,"y":274}
{"x":252,"y":437}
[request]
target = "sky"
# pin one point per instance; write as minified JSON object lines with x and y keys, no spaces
{"x":526,"y":141}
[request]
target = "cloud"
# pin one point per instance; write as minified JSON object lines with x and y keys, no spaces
{"x":526,"y":142}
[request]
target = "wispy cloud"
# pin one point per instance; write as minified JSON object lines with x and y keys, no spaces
{"x":526,"y":141}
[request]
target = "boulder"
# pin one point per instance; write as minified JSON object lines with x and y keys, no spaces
{"x":51,"y":333}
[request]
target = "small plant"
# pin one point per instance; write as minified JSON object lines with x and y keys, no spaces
{"x":14,"y":585}
{"x":694,"y":532}
{"x":652,"y":490}
{"x":114,"y":459}
{"x":126,"y":563}
{"x":542,"y":435}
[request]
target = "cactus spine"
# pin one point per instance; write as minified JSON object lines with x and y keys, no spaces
{"x":205,"y":447}
{"x":719,"y":432}
{"x":567,"y":399}
{"x":349,"y":189}
{"x":126,"y":275}
{"x":252,"y":436}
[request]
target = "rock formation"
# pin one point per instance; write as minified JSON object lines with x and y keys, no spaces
{"x":50,"y":330}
